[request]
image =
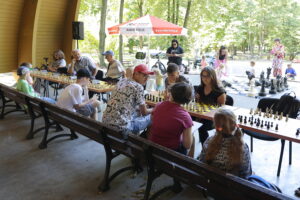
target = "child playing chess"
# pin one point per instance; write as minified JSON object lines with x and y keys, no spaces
{"x":290,"y":72}
{"x":226,"y":150}
{"x":173,"y":75}
{"x":159,"y":80}
{"x":172,"y":124}
{"x":210,"y":91}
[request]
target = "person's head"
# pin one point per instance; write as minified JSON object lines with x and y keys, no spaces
{"x":22,"y":71}
{"x":108,"y":55}
{"x":181,"y":93}
{"x":83,"y":76}
{"x":222,"y":50}
{"x":289,"y":66}
{"x":141,"y":74}
{"x":175,"y":43}
{"x":226,"y":127}
{"x":277,"y":41}
{"x":252,"y":63}
{"x":129,"y":72}
{"x":76,"y":54}
{"x":26,"y":64}
{"x":58,"y":55}
{"x":208,"y":77}
{"x":172,"y":72}
{"x":203,"y":57}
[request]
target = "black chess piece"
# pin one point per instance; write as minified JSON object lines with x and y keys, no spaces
{"x":272,"y":89}
{"x":262,"y":76}
{"x":245,"y":120}
{"x":285,"y":84}
{"x":269,"y":69}
{"x":281,"y":85}
{"x":262,"y":91}
{"x":276,"y":128}
{"x":268,"y":126}
{"x":278,"y":85}
{"x":241,"y":119}
{"x":271,"y":124}
{"x":298,"y":131}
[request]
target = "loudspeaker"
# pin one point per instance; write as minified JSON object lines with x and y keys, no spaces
{"x":77,"y":30}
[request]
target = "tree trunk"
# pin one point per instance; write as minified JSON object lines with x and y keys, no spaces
{"x":187,"y":13}
{"x":173,"y":13}
{"x":177,"y":12}
{"x":102,"y":34}
{"x":169,"y":10}
{"x":121,"y":37}
{"x":140,"y":6}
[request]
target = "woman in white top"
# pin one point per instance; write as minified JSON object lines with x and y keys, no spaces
{"x":58,"y":61}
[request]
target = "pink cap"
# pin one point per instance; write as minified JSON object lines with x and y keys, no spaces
{"x":142,"y":68}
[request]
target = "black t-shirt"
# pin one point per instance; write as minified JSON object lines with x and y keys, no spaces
{"x":177,"y":50}
{"x":212,"y":97}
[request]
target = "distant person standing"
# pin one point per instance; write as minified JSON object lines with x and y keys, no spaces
{"x":175,"y":54}
{"x":278,"y":52}
{"x":221,"y":59}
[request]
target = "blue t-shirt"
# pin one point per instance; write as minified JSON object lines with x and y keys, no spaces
{"x":291,"y":71}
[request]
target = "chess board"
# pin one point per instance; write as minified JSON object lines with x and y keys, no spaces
{"x":96,"y":86}
{"x":240,"y":86}
{"x":193,"y":107}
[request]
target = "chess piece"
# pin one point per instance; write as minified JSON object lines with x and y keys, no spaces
{"x":269,"y":69}
{"x":281,"y":116}
{"x":268,"y":125}
{"x":298,"y":131}
{"x":276,"y":128}
{"x":251,"y":92}
{"x":285,"y":84}
{"x":281,"y":87}
{"x":245,"y":120}
{"x":262,"y":92}
{"x":272,"y":89}
{"x":251,"y":111}
{"x":287,"y":117}
{"x":262,"y":76}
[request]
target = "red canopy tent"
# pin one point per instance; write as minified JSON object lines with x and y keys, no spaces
{"x":147,"y":25}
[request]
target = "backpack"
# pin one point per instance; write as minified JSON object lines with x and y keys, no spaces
{"x":288,"y":104}
{"x":262,"y":182}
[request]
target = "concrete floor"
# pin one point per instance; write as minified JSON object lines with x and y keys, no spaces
{"x":72,"y":169}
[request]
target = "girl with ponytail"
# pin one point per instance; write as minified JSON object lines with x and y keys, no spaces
{"x":226,"y":149}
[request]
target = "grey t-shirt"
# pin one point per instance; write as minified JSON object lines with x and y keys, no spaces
{"x":86,"y":63}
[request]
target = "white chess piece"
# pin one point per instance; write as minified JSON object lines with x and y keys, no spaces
{"x":251,"y":92}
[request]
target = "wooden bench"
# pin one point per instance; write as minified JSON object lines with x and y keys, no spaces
{"x":8,"y":95}
{"x":114,"y":142}
{"x":209,"y":180}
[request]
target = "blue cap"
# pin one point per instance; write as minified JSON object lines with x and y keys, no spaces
{"x":22,"y":70}
{"x":109,"y":52}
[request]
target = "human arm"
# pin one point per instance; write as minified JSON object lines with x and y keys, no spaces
{"x":222,"y":99}
{"x":187,"y":138}
{"x":246,"y":168}
{"x":29,"y":79}
{"x":144,"y":110}
{"x":71,"y":69}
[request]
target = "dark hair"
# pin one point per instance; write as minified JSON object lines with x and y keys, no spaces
{"x":174,"y":40}
{"x":83,"y":73}
{"x":26,"y":64}
{"x":221,"y":48}
{"x":277,"y":39}
{"x":172,"y":67}
{"x":182,"y":93}
{"x":215,"y":84}
{"x":252,"y":62}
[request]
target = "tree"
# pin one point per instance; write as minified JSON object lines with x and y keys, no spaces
{"x":102,"y":34}
{"x":121,"y":37}
{"x":187,"y":13}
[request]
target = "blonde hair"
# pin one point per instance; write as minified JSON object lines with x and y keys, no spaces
{"x":129,"y":72}
{"x":225,"y":123}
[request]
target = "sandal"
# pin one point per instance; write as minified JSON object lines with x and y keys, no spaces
{"x":297,"y":192}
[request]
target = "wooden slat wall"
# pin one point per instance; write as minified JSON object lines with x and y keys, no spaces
{"x":10,"y":18}
{"x":49,"y":29}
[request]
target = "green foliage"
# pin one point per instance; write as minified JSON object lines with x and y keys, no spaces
{"x":245,"y":25}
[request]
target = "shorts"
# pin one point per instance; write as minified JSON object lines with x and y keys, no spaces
{"x":86,"y":110}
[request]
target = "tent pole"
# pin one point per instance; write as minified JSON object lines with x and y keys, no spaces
{"x":148,"y":52}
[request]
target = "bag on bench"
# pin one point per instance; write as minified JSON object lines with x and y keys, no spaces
{"x":288,"y":104}
{"x":262,"y":182}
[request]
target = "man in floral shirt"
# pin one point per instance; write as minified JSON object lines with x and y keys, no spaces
{"x":126,"y":109}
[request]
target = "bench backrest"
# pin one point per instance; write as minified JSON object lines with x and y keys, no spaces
{"x":12,"y":94}
{"x":200,"y":175}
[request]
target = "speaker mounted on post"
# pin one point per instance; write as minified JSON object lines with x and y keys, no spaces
{"x":77,"y":31}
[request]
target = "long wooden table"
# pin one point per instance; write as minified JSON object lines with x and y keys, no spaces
{"x":286,"y":130}
{"x":99,"y":87}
